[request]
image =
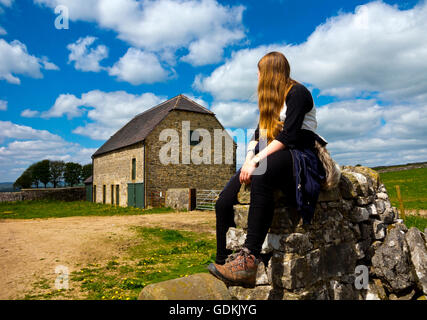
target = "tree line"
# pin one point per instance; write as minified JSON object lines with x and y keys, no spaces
{"x":54,"y":172}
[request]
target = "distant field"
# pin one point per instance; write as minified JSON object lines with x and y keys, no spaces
{"x":413,"y":187}
{"x":57,"y":209}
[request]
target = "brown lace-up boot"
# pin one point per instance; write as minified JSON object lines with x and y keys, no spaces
{"x":240,"y":269}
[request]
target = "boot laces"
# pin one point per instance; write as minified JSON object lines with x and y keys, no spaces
{"x":245,"y":253}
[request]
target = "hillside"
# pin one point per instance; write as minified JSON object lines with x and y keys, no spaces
{"x":6,"y":187}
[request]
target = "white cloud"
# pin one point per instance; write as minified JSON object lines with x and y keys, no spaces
{"x":236,"y":114}
{"x":3,"y":105}
{"x":375,"y":49}
{"x":203,"y":27}
{"x":28,"y":113}
{"x":363,"y":132}
{"x":65,"y":104}
{"x":137,"y":67}
{"x":27,"y":145}
{"x":15,"y":59}
{"x":349,"y":119}
{"x":84,"y":57}
{"x":2,"y":31}
{"x":6,"y":3}
{"x":108,"y":111}
{"x":9,"y":130}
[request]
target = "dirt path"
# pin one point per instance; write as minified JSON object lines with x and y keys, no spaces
{"x":32,"y":249}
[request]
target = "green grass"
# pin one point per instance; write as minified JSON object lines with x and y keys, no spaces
{"x":415,"y":221}
{"x":56,"y":209}
{"x":413,"y":187}
{"x":156,"y":255}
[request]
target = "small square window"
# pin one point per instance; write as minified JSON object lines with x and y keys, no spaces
{"x":195,"y":137}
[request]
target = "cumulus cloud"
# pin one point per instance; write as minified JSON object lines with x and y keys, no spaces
{"x":65,"y":104}
{"x":15,"y":59}
{"x":202,"y":27}
{"x":84,"y":57}
{"x":236,"y":114}
{"x":137,"y":67}
{"x":28,"y":113}
{"x":107,"y":111}
{"x":24,"y":145}
{"x":364,"y":132}
{"x":374,"y":50}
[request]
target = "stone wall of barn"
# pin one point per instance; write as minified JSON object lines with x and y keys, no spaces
{"x":162,"y":177}
{"x":115,"y":168}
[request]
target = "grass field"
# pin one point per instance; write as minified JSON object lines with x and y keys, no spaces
{"x":413,"y":190}
{"x":59,"y":209}
{"x":156,"y":255}
{"x":413,"y":187}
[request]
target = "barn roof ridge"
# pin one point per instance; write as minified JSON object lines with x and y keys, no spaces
{"x":140,"y":126}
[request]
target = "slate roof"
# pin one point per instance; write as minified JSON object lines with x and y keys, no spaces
{"x":141,"y":125}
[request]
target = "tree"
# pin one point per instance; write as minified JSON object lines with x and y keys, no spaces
{"x":72,"y":173}
{"x":41,"y":171}
{"x":86,"y":171}
{"x":25,"y":180}
{"x":57,"y":169}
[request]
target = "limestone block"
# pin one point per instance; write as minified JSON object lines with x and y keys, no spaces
{"x":353,"y":184}
{"x":343,"y":291}
{"x":380,"y":206}
{"x":418,"y":253}
{"x":391,"y":261}
{"x":379,"y":229}
{"x":178,"y":198}
{"x":329,"y":195}
{"x":376,"y":291}
{"x":244,"y":195}
{"x":291,"y":271}
{"x":241,"y":216}
{"x":201,"y":286}
{"x":257,"y":293}
{"x":372,"y":209}
{"x":387,"y":216}
{"x":359,"y":214}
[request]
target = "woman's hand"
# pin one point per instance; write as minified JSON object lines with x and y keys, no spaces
{"x":246,"y":172}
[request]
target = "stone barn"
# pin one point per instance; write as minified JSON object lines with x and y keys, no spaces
{"x":176,"y":144}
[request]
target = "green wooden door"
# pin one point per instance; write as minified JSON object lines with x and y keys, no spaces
{"x":89,"y":193}
{"x":136,"y":195}
{"x":139,"y":195}
{"x":131,"y":194}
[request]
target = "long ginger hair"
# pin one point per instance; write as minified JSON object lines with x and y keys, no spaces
{"x":273,"y":86}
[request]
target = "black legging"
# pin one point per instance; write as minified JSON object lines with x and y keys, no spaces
{"x":279,"y":175}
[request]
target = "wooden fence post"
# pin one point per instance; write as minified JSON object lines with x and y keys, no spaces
{"x":399,"y":197}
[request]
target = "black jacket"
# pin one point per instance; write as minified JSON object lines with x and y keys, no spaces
{"x":307,"y":168}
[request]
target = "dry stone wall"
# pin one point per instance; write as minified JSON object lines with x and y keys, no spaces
{"x":354,"y":225}
{"x":62,"y":194}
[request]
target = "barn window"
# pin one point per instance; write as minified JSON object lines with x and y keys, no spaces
{"x":133,"y":169}
{"x":94,"y":193}
{"x":194,"y":138}
{"x":112,"y":194}
{"x":117,"y":194}
{"x":104,"y":189}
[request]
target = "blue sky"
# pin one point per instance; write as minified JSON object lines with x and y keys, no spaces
{"x":63,"y":92}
